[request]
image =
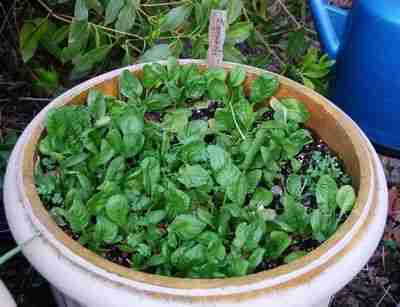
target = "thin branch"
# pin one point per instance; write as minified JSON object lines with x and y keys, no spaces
{"x":270,"y":50}
{"x":165,"y":3}
{"x":7,"y":16}
{"x":298,"y":25}
{"x":261,"y":38}
{"x":117,"y":31}
{"x":387,"y":293}
{"x":68,"y":19}
{"x":34,"y":99}
{"x":383,"y":258}
{"x":390,"y":295}
{"x":310,"y":31}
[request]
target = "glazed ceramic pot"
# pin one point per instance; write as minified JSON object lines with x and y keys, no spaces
{"x":82,"y":278}
{"x":6,"y":299}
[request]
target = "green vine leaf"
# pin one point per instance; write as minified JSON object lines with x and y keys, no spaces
{"x":31,"y":34}
{"x":175,"y":18}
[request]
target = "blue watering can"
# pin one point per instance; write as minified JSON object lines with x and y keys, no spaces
{"x":365,"y":42}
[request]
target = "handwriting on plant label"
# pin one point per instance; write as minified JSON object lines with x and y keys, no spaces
{"x":216,"y":37}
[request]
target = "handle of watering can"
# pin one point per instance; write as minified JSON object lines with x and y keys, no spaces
{"x":330,"y":22}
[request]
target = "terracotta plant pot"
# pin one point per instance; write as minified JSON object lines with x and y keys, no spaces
{"x":90,"y":280}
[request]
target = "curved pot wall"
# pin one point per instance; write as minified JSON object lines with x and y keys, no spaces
{"x":310,"y":281}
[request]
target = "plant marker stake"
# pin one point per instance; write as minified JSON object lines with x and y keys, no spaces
{"x":216,"y":38}
{"x":7,"y":256}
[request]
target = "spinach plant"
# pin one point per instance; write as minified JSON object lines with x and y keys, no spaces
{"x":178,"y":174}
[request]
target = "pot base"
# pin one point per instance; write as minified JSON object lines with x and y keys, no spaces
{"x":64,"y":301}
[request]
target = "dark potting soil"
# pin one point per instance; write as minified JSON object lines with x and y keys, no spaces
{"x":205,"y":113}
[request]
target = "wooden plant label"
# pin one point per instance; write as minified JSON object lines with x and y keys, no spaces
{"x":216,"y":38}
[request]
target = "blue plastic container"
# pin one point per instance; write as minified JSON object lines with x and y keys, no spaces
{"x":365,"y":42}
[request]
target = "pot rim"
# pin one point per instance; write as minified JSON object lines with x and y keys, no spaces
{"x":296,"y":272}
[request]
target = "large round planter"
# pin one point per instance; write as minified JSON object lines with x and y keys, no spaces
{"x":81,"y":278}
{"x":5,"y":297}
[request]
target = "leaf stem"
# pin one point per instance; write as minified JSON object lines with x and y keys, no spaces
{"x":117,"y":31}
{"x":165,"y":3}
{"x":270,"y":50}
{"x":235,"y":121}
{"x":298,"y":25}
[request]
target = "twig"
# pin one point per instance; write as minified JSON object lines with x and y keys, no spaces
{"x":310,"y":31}
{"x":390,"y":295}
{"x":290,"y":14}
{"x":117,"y":31}
{"x":68,"y":19}
{"x":270,"y":50}
{"x":381,"y":299}
{"x":261,"y":38}
{"x":164,"y":3}
{"x":387,"y":293}
{"x":7,"y":16}
{"x":33,"y":99}
{"x":51,"y":12}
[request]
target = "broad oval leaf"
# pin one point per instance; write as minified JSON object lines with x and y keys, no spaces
{"x":112,"y":10}
{"x":77,"y":216}
{"x":96,"y":104}
{"x":84,"y":63}
{"x":187,"y":226}
{"x":326,"y":190}
{"x":105,"y":230}
{"x":218,"y":157}
{"x":264,"y":87}
{"x":158,"y":52}
{"x":236,"y":76}
{"x":126,"y":18}
{"x":294,"y":185}
{"x":262,"y":197}
{"x":296,"y":110}
{"x":239,"y":32}
{"x":217,"y":89}
{"x":175,"y":18}
{"x":129,"y":85}
{"x":117,"y":209}
{"x":278,"y":243}
{"x":345,"y":198}
{"x":30,"y":35}
{"x":193,"y":176}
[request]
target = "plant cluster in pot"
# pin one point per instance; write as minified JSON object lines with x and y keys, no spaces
{"x":266,"y":263}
